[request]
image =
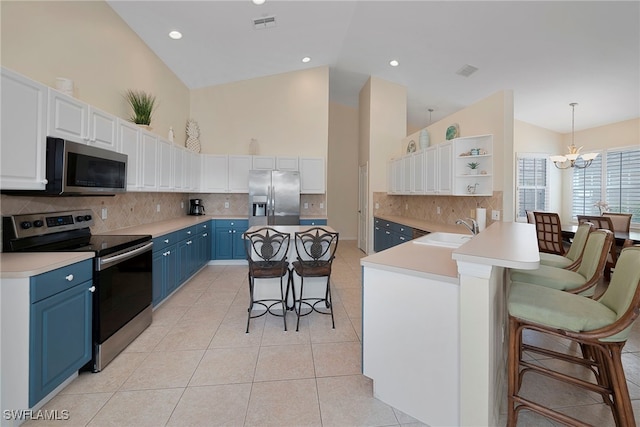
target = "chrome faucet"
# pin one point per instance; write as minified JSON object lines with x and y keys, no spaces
{"x":473,"y":227}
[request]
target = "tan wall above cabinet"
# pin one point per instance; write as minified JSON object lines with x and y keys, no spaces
{"x":445,"y":169}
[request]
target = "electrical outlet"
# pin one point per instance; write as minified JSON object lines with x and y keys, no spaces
{"x":377,"y":205}
{"x":158,"y":207}
{"x":406,"y":206}
{"x":495,"y":215}
{"x":306,"y":205}
{"x":472,"y":213}
{"x":438,"y":211}
{"x":321,"y":205}
{"x":104,"y":213}
{"x":226,"y":205}
{"x":181,"y":205}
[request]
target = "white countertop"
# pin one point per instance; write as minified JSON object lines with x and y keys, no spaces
{"x":16,"y":265}
{"x":424,"y":225}
{"x":502,"y":244}
{"x":156,"y":229}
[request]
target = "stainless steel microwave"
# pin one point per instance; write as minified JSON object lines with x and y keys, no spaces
{"x":78,"y":169}
{"x":74,"y":169}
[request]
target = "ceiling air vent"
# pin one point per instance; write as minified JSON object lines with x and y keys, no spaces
{"x":467,"y":70}
{"x":264,"y":22}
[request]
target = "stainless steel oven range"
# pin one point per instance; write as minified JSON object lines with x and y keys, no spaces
{"x":122,"y":272}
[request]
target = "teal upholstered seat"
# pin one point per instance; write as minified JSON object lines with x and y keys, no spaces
{"x":572,"y":258}
{"x":601,"y":328}
{"x":581,"y":281}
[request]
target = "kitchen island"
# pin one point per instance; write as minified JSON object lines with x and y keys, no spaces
{"x":434,"y":320}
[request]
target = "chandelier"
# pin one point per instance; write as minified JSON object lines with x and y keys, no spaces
{"x":574,"y":152}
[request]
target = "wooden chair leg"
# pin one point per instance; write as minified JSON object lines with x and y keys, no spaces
{"x":622,"y":402}
{"x":513,"y":368}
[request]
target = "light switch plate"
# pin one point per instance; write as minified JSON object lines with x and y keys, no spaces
{"x":103,"y":214}
{"x":158,"y":207}
{"x":495,"y":215}
{"x":306,"y":205}
{"x":226,"y":205}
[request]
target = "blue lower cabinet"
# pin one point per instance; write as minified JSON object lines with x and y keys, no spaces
{"x":228,"y":242}
{"x":165,"y":279}
{"x":387,"y":234}
{"x":313,"y":222}
{"x":186,"y":255}
{"x":60,"y":338}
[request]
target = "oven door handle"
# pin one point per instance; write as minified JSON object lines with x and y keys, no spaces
{"x":121,"y":257}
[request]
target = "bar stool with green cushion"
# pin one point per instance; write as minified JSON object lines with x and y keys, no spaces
{"x":571,"y":260}
{"x":584,"y":279}
{"x":601,"y":328}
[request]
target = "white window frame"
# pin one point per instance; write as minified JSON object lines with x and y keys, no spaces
{"x":541,"y":156}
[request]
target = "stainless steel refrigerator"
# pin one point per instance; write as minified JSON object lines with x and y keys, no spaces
{"x":274,"y":197}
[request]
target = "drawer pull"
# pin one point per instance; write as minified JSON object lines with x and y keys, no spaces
{"x":92,"y":289}
{"x":166,"y":240}
{"x":69,"y":277}
{"x":188,"y":232}
{"x":205,"y":234}
{"x":189,"y":242}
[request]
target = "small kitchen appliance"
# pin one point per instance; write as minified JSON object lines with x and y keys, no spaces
{"x":196,"y":207}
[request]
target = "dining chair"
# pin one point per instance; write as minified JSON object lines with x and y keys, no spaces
{"x":600,"y":327}
{"x":621,"y":221}
{"x":266,"y":250}
{"x":604,"y":223}
{"x":315,"y":252}
{"x":530,"y":217}
{"x":549,"y":232}
{"x":582,"y":281}
{"x":571,"y":260}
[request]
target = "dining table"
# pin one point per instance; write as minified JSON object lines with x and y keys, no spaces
{"x":569,"y":230}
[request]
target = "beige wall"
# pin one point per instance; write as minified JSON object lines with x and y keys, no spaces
{"x":287,"y":114}
{"x":86,"y":41}
{"x":529,"y":138}
{"x":342,"y":170}
{"x":492,"y":115}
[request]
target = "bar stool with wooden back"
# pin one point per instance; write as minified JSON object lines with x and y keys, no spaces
{"x":549,"y":232}
{"x":316,"y":250}
{"x":571,"y":260}
{"x":603,"y":223}
{"x":266,"y":251}
{"x":582,"y":281}
{"x":601,"y":328}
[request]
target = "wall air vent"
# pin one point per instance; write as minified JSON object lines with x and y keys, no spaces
{"x":467,"y":70}
{"x":264,"y":22}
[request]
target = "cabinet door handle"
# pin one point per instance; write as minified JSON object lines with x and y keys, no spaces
{"x":189,"y":242}
{"x":69,"y":277}
{"x":387,"y":232}
{"x":205,"y":235}
{"x":45,"y":181}
{"x":229,"y":231}
{"x":166,"y":240}
{"x":92,"y":289}
{"x":188,"y":232}
{"x":234,"y":231}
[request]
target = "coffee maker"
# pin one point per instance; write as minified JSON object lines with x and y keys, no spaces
{"x":196,"y":207}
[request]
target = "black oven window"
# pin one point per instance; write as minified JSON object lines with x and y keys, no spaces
{"x":89,"y":171}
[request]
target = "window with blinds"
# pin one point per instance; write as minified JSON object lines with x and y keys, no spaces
{"x":614,"y":177}
{"x":532,"y":188}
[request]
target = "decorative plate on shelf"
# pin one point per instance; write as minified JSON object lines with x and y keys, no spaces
{"x":411,"y":147}
{"x":452,"y":131}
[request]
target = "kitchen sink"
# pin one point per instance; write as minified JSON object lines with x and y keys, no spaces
{"x":447,"y":240}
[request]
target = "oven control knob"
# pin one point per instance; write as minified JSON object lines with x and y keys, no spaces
{"x":87,"y":217}
{"x":25,"y":225}
{"x":79,"y":218}
{"x":38,"y":223}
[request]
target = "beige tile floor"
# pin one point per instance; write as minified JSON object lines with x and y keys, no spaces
{"x":195,"y":366}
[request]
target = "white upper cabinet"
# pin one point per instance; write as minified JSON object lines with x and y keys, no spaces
{"x":178,"y":167}
{"x":23,"y":133}
{"x":165,"y":165}
{"x":129,"y":136}
{"x":418,"y":175}
{"x":193,"y":173}
{"x":77,"y":121}
{"x":445,"y":175}
{"x":214,"y":174}
{"x":239,"y":167}
{"x":263,"y":163}
{"x":431,"y":170}
{"x":103,"y":130}
{"x":312,"y":176}
{"x":149,"y":155}
{"x":287,"y":163}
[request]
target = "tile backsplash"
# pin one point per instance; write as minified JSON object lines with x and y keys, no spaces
{"x":133,"y":208}
{"x":426,"y":207}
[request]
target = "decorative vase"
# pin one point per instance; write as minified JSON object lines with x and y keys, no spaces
{"x":424,"y":139}
{"x":193,"y":136}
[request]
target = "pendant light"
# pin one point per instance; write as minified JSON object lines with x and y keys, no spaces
{"x":574,"y":152}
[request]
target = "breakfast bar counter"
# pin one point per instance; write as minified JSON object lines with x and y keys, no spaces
{"x":434,"y":324}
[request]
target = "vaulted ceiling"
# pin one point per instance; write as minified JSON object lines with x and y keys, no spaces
{"x":548,"y":53}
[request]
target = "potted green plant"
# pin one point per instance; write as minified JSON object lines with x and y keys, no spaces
{"x":142,"y":104}
{"x":473,"y":166}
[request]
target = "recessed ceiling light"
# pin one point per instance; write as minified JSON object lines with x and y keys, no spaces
{"x":176,"y":35}
{"x":306,"y":59}
{"x":258,"y":2}
{"x":394,"y":63}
